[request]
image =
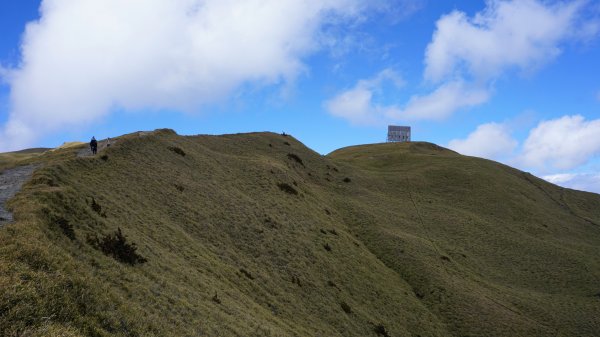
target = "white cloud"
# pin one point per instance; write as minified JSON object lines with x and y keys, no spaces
{"x":521,"y":34}
{"x":86,"y":57}
{"x":467,"y":54}
{"x":490,"y":140}
{"x":562,"y":143}
{"x":442,"y":102}
{"x":579,"y":181}
{"x":358,"y":106}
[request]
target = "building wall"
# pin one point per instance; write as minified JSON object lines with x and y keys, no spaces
{"x":398,"y":134}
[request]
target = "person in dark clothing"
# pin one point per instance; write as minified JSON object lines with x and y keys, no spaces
{"x":94,"y":145}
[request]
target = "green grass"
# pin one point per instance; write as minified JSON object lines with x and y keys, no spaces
{"x":410,"y":239}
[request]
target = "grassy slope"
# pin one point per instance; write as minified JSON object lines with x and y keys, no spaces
{"x":421,"y":241}
{"x":8,"y":159}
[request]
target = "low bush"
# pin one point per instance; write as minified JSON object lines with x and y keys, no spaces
{"x":116,"y":246}
{"x":295,"y":158}
{"x":177,"y":150}
{"x":246,"y":273}
{"x":381,"y":331}
{"x":287,"y":188}
{"x":66,"y":228}
{"x":346,"y":307}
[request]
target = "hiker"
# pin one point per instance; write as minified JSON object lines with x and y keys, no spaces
{"x":94,"y":145}
{"x":108,"y":142}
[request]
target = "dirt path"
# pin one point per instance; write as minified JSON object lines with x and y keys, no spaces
{"x":86,"y":152}
{"x":10,"y":183}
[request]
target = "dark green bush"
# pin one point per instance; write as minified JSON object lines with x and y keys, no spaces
{"x":116,"y":246}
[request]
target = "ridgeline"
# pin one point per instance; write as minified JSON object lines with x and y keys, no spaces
{"x":257,"y":235}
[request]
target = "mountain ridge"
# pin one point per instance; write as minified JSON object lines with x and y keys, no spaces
{"x":255,"y":234}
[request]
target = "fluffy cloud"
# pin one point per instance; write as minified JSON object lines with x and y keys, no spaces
{"x":578,"y":181}
{"x":442,"y":102}
{"x":86,"y":57}
{"x":562,"y":143}
{"x":522,"y":34}
{"x":490,"y":140}
{"x":467,"y":54}
{"x":358,"y":105}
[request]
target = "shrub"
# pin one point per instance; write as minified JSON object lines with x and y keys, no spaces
{"x":66,"y":227}
{"x":295,"y":158}
{"x":445,"y":258}
{"x":327,"y":247}
{"x":287,"y":188}
{"x":177,"y":150}
{"x":180,"y":188}
{"x":246,"y":273}
{"x":104,"y":157}
{"x":381,"y":331}
{"x":286,"y":143}
{"x":346,"y":307}
{"x":116,"y":246}
{"x":97,"y":208}
{"x":347,"y":180}
{"x":216,"y":299}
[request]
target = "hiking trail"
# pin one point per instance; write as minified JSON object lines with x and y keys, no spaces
{"x":11,"y":181}
{"x":87,"y":152}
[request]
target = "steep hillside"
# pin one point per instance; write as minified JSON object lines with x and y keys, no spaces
{"x":257,"y":235}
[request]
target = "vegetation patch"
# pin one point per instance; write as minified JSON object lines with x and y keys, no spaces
{"x":216,"y":299}
{"x":381,"y":331}
{"x":66,"y":228}
{"x":286,"y":143}
{"x":295,"y":158}
{"x":177,"y":150}
{"x":104,"y":157}
{"x":327,"y":247}
{"x":97,"y":208}
{"x":287,"y":188}
{"x":116,"y":246}
{"x":332,"y":284}
{"x":347,"y":180}
{"x":180,"y":188}
{"x":246,"y":273}
{"x":346,"y":307}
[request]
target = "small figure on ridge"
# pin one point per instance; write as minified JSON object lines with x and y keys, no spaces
{"x":94,"y":145}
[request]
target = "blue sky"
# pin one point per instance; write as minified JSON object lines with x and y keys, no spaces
{"x":513,"y":81}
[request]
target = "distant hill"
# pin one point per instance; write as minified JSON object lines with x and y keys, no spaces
{"x":257,"y":235}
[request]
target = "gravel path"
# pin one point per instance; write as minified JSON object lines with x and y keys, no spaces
{"x":10,"y":183}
